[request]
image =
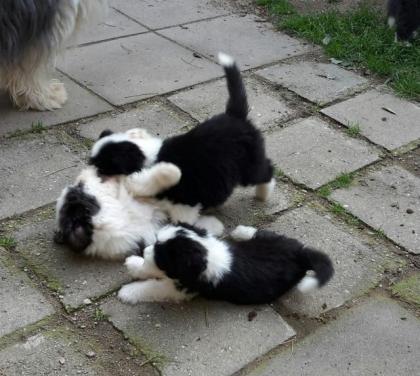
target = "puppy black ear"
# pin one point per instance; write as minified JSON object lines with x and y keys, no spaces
{"x":105,"y":133}
{"x":58,"y":237}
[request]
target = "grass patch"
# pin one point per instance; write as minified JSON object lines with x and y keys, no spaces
{"x":408,"y":289}
{"x":358,"y":37}
{"x":353,"y":130}
{"x":7,"y":242}
{"x":343,"y":180}
{"x":99,"y":315}
{"x":37,"y":127}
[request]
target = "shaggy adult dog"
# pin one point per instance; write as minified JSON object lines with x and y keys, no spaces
{"x":214,"y":157}
{"x":405,"y":16}
{"x":255,"y":267}
{"x":31,"y":34}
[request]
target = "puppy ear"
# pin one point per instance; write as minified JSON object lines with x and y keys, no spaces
{"x":58,"y":237}
{"x":105,"y":133}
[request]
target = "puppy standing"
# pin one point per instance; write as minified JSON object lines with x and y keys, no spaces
{"x":31,"y":34}
{"x":405,"y":15}
{"x":214,"y":157}
{"x":256,"y":267}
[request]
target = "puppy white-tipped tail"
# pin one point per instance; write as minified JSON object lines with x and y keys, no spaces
{"x":226,"y":60}
{"x":307,"y":284}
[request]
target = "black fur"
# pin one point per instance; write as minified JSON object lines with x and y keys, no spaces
{"x":407,"y":17}
{"x":263,"y":268}
{"x":123,"y":156}
{"x":75,"y":219}
{"x":214,"y":157}
{"x":25,"y":23}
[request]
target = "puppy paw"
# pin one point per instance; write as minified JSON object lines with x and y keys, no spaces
{"x":169,"y":174}
{"x":211,"y":224}
{"x":58,"y":93}
{"x":134,"y":265}
{"x":264,"y":191}
{"x":128,"y":293}
{"x":242,"y":233}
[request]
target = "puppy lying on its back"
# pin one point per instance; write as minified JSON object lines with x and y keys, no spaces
{"x":256,"y":267}
{"x":214,"y":157}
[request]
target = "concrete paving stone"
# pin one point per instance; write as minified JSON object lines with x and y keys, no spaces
{"x":318,"y":82}
{"x":155,"y":118}
{"x":266,"y":109}
{"x":388,"y":200}
{"x":370,"y":111}
{"x":358,"y":266}
{"x":376,"y":338}
{"x":34,"y":169}
{"x":243,"y":209}
{"x":313,"y":153}
{"x":21,"y":303}
{"x":80,"y":104}
{"x":48,"y":355}
{"x":115,"y":25}
{"x":193,"y":335}
{"x":137,"y":67}
{"x":161,"y":13}
{"x":75,"y":277}
{"x":249,"y":41}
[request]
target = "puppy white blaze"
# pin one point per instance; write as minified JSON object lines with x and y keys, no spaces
{"x":115,"y":137}
{"x":219,"y":259}
{"x":307,"y":284}
{"x":243,"y":232}
{"x":225,"y":60}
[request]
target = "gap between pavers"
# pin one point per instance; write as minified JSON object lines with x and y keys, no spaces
{"x":267,"y":109}
{"x":251,"y":42}
{"x":158,"y":120}
{"x":378,"y":337}
{"x":313,"y":153}
{"x":35,"y":168}
{"x":200,"y":338}
{"x":318,"y":82}
{"x":74,"y":277}
{"x":21,"y":303}
{"x":358,"y":266}
{"x":388,"y":200}
{"x":80,"y":104}
{"x":383,"y":118}
{"x":137,"y":67}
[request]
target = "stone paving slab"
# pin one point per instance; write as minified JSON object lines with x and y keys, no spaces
{"x":47,"y":355}
{"x":388,"y":200}
{"x":75,"y":277}
{"x":243,"y":209}
{"x":148,"y":65}
{"x":35,"y":168}
{"x":368,"y":111}
{"x":266,"y":109}
{"x":21,"y":304}
{"x":155,"y":118}
{"x":201,"y":338}
{"x":376,"y":338}
{"x":80,"y":104}
{"x":357,"y":266}
{"x":318,"y":82}
{"x":249,"y":41}
{"x":313,"y":153}
{"x":115,"y":25}
{"x":157,"y":14}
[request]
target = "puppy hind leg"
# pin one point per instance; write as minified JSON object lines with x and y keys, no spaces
{"x":243,"y":233}
{"x":211,"y":224}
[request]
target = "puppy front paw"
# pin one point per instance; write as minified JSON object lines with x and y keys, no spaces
{"x":127,"y":293}
{"x":242,"y":233}
{"x":169,"y":174}
{"x":134,"y":265}
{"x":211,"y":224}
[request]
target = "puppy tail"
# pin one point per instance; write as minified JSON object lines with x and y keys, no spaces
{"x":237,"y":105}
{"x":320,"y":264}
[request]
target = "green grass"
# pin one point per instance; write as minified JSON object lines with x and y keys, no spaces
{"x":343,"y":180}
{"x":353,"y":130}
{"x":99,"y":315}
{"x":359,"y":38}
{"x":7,"y":242}
{"x":409,"y":289}
{"x":37,"y":127}
{"x":337,"y":209}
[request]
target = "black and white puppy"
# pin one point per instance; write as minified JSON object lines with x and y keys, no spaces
{"x":31,"y":34}
{"x":405,"y":16}
{"x":255,"y":267}
{"x":214,"y":157}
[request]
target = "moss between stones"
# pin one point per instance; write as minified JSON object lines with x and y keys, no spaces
{"x":408,"y":289}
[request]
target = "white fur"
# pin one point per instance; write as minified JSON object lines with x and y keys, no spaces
{"x":225,"y":60}
{"x":143,"y":268}
{"x":179,"y":212}
{"x":211,"y":224}
{"x":307,"y":284}
{"x":391,"y":21}
{"x":152,"y":290}
{"x":151,"y":181}
{"x":242,"y":233}
{"x":167,"y":233}
{"x":264,"y":191}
